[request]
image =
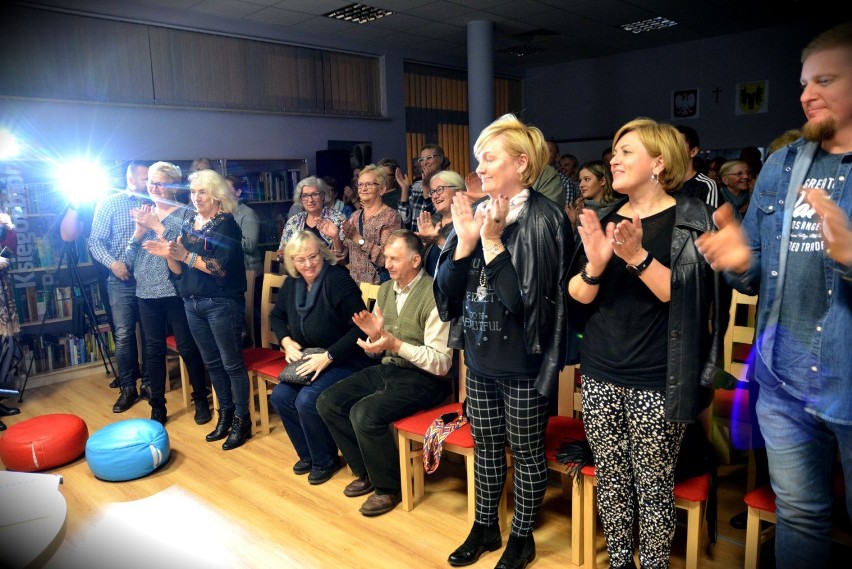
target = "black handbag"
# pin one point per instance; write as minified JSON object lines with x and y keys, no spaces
{"x":289,"y":375}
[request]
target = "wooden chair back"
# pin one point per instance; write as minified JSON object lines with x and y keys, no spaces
{"x":250,"y":300}
{"x":271,"y":264}
{"x":272,"y":283}
{"x":740,"y":333}
{"x":369,"y":293}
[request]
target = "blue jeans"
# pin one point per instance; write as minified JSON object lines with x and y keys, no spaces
{"x":297,"y":406}
{"x":125,"y":315}
{"x":217,"y":326}
{"x":801,"y":450}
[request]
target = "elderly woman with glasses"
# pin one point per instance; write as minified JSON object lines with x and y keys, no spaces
{"x":435,"y":228}
{"x":736,"y":179}
{"x":322,"y":221}
{"x":207,"y":262}
{"x":362,"y":238}
{"x":314,"y":309}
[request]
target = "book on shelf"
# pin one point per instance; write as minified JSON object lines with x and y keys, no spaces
{"x":51,"y":352}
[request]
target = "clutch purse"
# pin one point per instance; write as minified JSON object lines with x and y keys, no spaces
{"x":289,"y":375}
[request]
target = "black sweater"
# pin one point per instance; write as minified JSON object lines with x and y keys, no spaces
{"x":329,"y":324}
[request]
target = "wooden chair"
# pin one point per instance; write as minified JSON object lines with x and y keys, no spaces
{"x":266,"y":373}
{"x":690,"y":495}
{"x":369,"y":293}
{"x":739,"y":337}
{"x":249,"y":317}
{"x":761,"y":508}
{"x":410,"y":435}
{"x":567,"y":425}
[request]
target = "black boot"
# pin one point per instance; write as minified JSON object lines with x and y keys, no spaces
{"x":482,"y":538}
{"x":159,"y":414}
{"x":126,"y":399}
{"x":519,"y":551}
{"x":223,"y":425}
{"x":8,"y":411}
{"x":202,"y":411}
{"x":240,"y":432}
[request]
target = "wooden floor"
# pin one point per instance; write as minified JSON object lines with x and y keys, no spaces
{"x":316,"y":526}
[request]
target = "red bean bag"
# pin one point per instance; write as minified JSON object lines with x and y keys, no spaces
{"x":43,"y":442}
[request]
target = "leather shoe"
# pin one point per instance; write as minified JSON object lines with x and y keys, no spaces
{"x":240,"y":432}
{"x":322,"y":475}
{"x":113,"y":384}
{"x":302,"y":467}
{"x":145,"y":391}
{"x":202,"y":412}
{"x":159,"y":414}
{"x":8,"y":411}
{"x":482,"y":538}
{"x":739,"y":521}
{"x":378,"y":504}
{"x":2,"y":426}
{"x":126,"y":399}
{"x":358,"y":487}
{"x":519,"y":551}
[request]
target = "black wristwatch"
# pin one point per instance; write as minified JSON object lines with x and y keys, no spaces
{"x":640,"y":268}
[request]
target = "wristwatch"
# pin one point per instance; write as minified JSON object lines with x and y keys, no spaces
{"x":640,"y":268}
{"x":361,"y":241}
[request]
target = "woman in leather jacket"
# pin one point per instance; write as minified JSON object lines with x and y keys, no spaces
{"x":647,"y":347}
{"x":502,"y":278}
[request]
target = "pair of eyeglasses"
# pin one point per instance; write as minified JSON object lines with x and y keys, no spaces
{"x":440,"y":190}
{"x":315,"y":196}
{"x":309,"y":260}
{"x":423,"y":159}
{"x":368,"y":185}
{"x":158,"y":185}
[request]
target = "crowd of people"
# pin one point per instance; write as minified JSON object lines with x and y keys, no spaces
{"x":635,"y":251}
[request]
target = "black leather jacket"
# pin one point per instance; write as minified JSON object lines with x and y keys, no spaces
{"x":539,"y":249}
{"x":698,"y":312}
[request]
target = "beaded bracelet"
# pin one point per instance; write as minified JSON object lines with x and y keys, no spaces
{"x":589,"y":280}
{"x":192,"y":259}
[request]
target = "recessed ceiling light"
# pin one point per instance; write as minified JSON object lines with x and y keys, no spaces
{"x":358,"y":13}
{"x":648,"y":25}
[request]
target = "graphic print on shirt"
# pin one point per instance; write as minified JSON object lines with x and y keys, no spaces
{"x":476,"y":309}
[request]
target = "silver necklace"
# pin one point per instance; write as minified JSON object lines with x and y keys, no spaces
{"x":481,"y":290}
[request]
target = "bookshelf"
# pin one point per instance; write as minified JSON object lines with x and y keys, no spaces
{"x":43,"y":293}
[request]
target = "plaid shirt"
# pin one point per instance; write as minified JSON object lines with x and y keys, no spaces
{"x":417,"y":203}
{"x":572,"y":188}
{"x":112,"y":228}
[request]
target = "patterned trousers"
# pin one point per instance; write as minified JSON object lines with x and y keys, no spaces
{"x":513,"y":410}
{"x":635,"y":452}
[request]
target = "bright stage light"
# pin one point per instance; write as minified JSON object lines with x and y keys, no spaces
{"x":9,"y":145}
{"x":82,"y":181}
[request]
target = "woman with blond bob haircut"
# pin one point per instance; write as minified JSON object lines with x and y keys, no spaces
{"x":299,"y":242}
{"x":314,"y":309}
{"x":504,"y":267}
{"x":651,"y":338}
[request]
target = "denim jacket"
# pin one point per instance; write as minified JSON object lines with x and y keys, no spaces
{"x":827,"y":388}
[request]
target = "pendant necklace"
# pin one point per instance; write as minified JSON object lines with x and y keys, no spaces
{"x":481,"y":290}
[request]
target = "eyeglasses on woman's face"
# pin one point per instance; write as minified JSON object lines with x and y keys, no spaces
{"x":309,"y":260}
{"x":313,"y":196}
{"x":423,"y":159}
{"x":440,"y":190}
{"x":368,"y":185}
{"x":158,"y":185}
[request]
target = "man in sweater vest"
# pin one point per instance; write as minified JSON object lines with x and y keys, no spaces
{"x":404,"y":330}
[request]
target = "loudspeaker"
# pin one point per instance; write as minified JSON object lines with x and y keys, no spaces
{"x":362,"y":154}
{"x":335,"y":163}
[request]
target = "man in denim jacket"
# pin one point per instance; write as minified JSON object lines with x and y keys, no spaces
{"x":795,"y":250}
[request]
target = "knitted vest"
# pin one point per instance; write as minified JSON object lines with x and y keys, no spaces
{"x":410,"y":325}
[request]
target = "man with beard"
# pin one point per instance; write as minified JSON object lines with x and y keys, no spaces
{"x":412,"y":202}
{"x":795,"y":249}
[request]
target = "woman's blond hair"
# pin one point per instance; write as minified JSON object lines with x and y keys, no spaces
{"x":663,"y":141}
{"x":217,"y":187}
{"x":299,"y":242}
{"x":518,"y":139}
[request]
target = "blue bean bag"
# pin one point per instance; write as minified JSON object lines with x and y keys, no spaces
{"x":127,"y":450}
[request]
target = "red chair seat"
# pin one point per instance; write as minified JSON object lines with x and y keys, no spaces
{"x":171,"y":343}
{"x":420,"y":423}
{"x":762,"y":498}
{"x":560,"y":429}
{"x":270,"y":368}
{"x":254,"y":357}
{"x":693,"y":489}
{"x":732,"y":404}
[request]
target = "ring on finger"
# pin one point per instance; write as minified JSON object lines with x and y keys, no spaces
{"x":619,"y":242}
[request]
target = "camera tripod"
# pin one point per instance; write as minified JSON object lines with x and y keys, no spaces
{"x":69,"y":256}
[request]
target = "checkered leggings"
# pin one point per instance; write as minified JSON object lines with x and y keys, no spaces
{"x":635,"y":451}
{"x":513,"y":409}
